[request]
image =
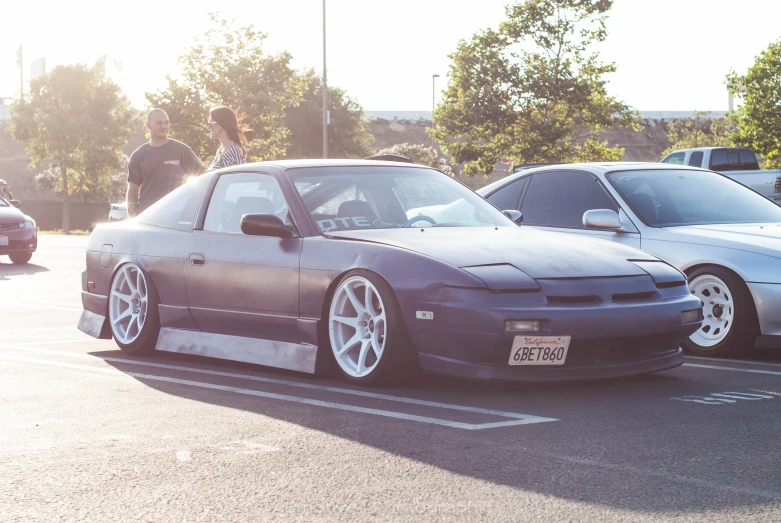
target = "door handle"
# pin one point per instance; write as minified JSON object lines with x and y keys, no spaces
{"x":197,"y":259}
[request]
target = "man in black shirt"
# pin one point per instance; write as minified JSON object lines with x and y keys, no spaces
{"x":159,"y":166}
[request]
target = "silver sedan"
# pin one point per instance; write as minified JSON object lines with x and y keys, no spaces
{"x":725,"y":237}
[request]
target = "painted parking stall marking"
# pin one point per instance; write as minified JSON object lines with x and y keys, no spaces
{"x":508,"y":419}
{"x":723,"y":398}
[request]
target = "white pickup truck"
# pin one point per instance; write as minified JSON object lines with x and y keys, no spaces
{"x":739,"y":164}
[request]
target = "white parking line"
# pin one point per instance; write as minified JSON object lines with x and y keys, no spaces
{"x":74,"y":304}
{"x":733,"y":369}
{"x":515,"y":418}
{"x":85,"y":339}
{"x":40,"y":306}
{"x":36,"y":329}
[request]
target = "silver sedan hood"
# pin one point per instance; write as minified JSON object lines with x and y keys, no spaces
{"x":760,"y":238}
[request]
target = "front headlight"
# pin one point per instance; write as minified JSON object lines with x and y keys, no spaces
{"x":27,"y":225}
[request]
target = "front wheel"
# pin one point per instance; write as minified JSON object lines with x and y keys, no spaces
{"x":132,"y":310}
{"x":730,"y":324}
{"x":366,"y":329}
{"x":20,"y":258}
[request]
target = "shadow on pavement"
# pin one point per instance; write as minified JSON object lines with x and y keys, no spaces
{"x":615,"y":464}
{"x":12,"y":269}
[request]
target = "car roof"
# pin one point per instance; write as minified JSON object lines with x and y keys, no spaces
{"x":294,"y":164}
{"x":593,"y":167}
{"x":708,"y":149}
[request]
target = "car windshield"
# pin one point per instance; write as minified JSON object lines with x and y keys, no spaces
{"x":4,"y":203}
{"x":669,"y":198}
{"x":351,"y":198}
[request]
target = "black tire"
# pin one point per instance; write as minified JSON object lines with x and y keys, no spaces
{"x":20,"y":258}
{"x":146,"y":341}
{"x":745,"y":327}
{"x":399,"y":360}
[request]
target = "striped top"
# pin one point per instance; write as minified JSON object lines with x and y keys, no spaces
{"x":233,"y":155}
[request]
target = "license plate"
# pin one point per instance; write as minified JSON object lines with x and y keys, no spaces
{"x":3,"y":240}
{"x":539,"y":350}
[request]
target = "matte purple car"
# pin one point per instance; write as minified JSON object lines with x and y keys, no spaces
{"x":377,"y":269}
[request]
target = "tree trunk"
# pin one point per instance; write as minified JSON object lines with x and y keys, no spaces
{"x":65,"y":204}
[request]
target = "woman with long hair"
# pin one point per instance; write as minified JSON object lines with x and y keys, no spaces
{"x":229,"y":129}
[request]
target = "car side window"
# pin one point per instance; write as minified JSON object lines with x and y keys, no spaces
{"x":178,"y":209}
{"x":675,"y":159}
{"x":748,"y":160}
{"x":508,"y":198}
{"x":696,"y":159}
{"x":718,"y":160}
{"x":734,"y":159}
{"x":559,"y":199}
{"x":237,"y":194}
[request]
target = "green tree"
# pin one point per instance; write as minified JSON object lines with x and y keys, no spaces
{"x":533,"y":90}
{"x":348,"y":132}
{"x":76,"y":118}
{"x":111,"y":186}
{"x":228,"y":66}
{"x":699,"y":131}
{"x":758,"y":119}
{"x":421,"y":154}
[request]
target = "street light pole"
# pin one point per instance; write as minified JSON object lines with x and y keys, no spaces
{"x":433,"y":96}
{"x":21,"y":70}
{"x":325,"y":94}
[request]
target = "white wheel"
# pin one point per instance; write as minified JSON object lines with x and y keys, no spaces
{"x":719,"y":310}
{"x":128,"y":304}
{"x":358,"y":327}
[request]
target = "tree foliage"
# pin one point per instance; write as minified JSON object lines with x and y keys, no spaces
{"x":532,"y":90}
{"x":228,"y":66}
{"x":348,"y":132}
{"x":758,"y":119}
{"x":109,"y":188}
{"x":699,"y":131}
{"x":76,"y":118}
{"x":421,"y":154}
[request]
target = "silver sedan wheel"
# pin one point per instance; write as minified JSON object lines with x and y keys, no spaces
{"x":128,"y":303}
{"x":719,"y":310}
{"x":357,"y":326}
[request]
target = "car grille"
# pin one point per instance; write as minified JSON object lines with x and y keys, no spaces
{"x":8,"y":226}
{"x":634,"y":296}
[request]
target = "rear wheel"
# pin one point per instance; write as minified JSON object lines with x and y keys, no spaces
{"x":20,"y":258}
{"x":133,"y":313}
{"x":366,"y":330}
{"x":730,"y":323}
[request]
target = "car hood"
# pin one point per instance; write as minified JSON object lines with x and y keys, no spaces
{"x":760,"y":238}
{"x":10,"y":215}
{"x":539,"y":254}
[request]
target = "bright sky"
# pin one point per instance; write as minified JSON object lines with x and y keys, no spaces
{"x":671,"y":54}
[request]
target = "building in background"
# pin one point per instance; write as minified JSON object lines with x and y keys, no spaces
{"x":5,"y":111}
{"x":37,"y":68}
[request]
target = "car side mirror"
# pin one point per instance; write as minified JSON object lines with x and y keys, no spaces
{"x":516,"y":216}
{"x":264,"y":225}
{"x":16,"y":203}
{"x":602,"y":219}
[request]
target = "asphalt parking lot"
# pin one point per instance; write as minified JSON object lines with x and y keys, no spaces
{"x":87,"y":432}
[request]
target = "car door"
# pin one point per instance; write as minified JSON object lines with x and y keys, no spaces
{"x":557,"y":201}
{"x":238,"y":284}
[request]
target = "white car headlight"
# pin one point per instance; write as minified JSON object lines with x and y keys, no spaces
{"x":27,"y":225}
